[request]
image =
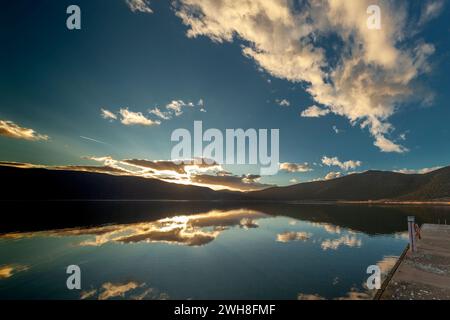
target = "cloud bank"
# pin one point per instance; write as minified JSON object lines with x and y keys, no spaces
{"x":359,"y":73}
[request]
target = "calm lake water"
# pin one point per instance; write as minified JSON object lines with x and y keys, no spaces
{"x":189,"y":250}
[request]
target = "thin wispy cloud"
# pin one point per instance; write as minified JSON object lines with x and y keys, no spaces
{"x":93,"y":140}
{"x":419,"y":171}
{"x":161,"y":114}
{"x":10,"y":129}
{"x":431,"y":9}
{"x":106,"y":114}
{"x":295,"y":167}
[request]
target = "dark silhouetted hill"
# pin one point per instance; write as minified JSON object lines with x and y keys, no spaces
{"x":45,"y":184}
{"x":370,"y":185}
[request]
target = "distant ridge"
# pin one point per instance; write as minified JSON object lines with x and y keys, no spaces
{"x":45,"y":184}
{"x":367,"y":186}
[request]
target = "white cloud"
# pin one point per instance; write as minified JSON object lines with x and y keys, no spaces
{"x":176,"y":106}
{"x":295,"y":167}
{"x":139,"y":6}
{"x":314,"y":112}
{"x":374,"y":70}
{"x":418,"y":171}
{"x":332,"y":175}
{"x":130,"y":118}
{"x":12,"y":130}
{"x":346,"y":165}
{"x":106,"y":114}
{"x":283,"y":102}
{"x":387,"y":145}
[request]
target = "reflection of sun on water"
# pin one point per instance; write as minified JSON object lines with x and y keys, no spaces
{"x":194,"y":230}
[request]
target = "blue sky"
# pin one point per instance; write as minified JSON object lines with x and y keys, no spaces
{"x":55,"y":81}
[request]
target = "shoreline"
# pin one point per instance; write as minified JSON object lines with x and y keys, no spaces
{"x":399,"y":203}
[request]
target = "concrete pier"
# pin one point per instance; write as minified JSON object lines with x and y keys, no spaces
{"x":424,"y":274}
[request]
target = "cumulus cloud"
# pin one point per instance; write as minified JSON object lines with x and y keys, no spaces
{"x":332,"y":175}
{"x":12,"y":130}
{"x":176,"y":106}
{"x":295,"y":167}
{"x":365,"y":75}
{"x":139,"y":6}
{"x":130,"y":118}
{"x":346,"y":165}
{"x":314,"y":112}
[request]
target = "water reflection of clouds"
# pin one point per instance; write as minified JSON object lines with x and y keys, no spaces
{"x":347,"y":240}
{"x":7,"y":271}
{"x":293,"y":236}
{"x":386,"y":264}
{"x":329,"y":228}
{"x":131,"y":290}
{"x":348,"y":237}
{"x":193,"y":230}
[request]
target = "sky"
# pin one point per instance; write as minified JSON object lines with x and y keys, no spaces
{"x":345,"y":97}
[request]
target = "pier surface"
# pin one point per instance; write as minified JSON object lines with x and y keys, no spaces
{"x":424,"y":274}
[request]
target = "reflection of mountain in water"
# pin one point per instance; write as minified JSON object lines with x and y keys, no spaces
{"x":34,"y":216}
{"x":193,"y":230}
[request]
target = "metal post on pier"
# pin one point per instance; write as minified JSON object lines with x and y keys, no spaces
{"x":411,"y":232}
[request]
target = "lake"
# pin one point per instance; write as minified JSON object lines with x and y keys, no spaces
{"x":200,"y":250}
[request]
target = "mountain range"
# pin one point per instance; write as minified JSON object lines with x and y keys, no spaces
{"x":46,"y":184}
